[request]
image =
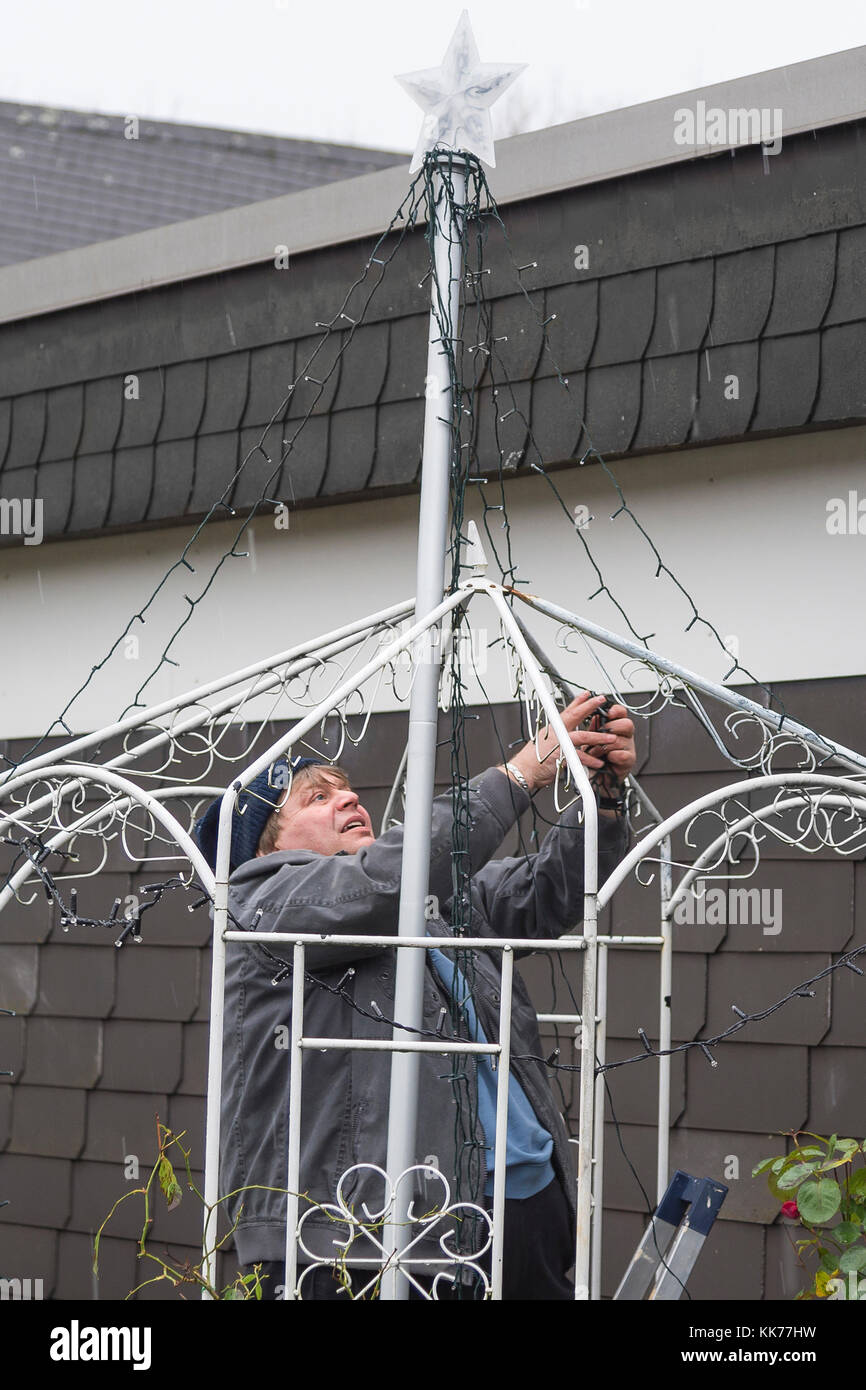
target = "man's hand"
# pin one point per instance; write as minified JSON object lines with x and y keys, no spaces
{"x":606,"y":748}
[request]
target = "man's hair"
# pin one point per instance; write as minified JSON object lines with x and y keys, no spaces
{"x":315,"y":775}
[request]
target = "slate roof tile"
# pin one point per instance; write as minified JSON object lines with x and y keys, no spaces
{"x":668,"y":401}
{"x":731,"y":1264}
{"x":742,"y":296}
{"x":317,"y":373}
{"x":711,"y":1153}
{"x":48,"y":1121}
{"x":775,"y":1099}
{"x":271,"y":374}
{"x":407,"y":359}
{"x":142,"y":413}
{"x":626,"y":311}
{"x":156,"y":982}
{"x":25,"y":922}
{"x":91,"y":483}
{"x":103,"y":410}
{"x":169,"y":923}
{"x":621,"y":1191}
{"x":141,"y":1056}
{"x":502,"y":425}
{"x":94,"y":184}
{"x":54,"y":484}
{"x":805,"y":273}
{"x":754,"y":981}
{"x":76,"y":984}
{"x":261,"y":451}
{"x":718,"y":416}
{"x":5,"y":428}
{"x":62,"y":1052}
{"x":19,"y":969}
{"x":65,"y":418}
{"x":120,"y":1126}
{"x":184,"y":384}
{"x":174,"y":469}
{"x":195,"y":1047}
{"x":799,"y":884}
{"x":186,"y":1115}
{"x":518,"y":323}
{"x":557,"y":418}
{"x":849,"y":293}
{"x":613,"y":406}
{"x":95,"y":1189}
{"x":6,"y":1094}
{"x":18,"y":484}
{"x":572,"y":334}
{"x":836,"y":1101}
{"x":38,"y":1191}
{"x":216,"y":462}
{"x":31,"y":1252}
{"x":131,"y":486}
{"x":842,"y":393}
{"x":11,"y":1047}
{"x":684,"y":298}
{"x":633,"y":1100}
{"x":205,"y":968}
{"x":788,"y":381}
{"x":399,"y":436}
{"x":306,"y":459}
{"x":351,"y":450}
{"x":631,"y":986}
{"x":118,"y":1270}
{"x":227,"y":385}
{"x":365,"y":365}
{"x":29,"y":419}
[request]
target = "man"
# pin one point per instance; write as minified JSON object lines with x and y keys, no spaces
{"x":310,"y":862}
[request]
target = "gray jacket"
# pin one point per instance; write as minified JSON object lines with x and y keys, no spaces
{"x":345,"y":1093}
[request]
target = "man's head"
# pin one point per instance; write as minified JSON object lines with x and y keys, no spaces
{"x":321,"y":813}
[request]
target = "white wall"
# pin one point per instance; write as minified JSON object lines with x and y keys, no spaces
{"x":744,"y":527}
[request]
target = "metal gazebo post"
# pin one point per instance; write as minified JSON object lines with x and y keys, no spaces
{"x":456,"y":98}
{"x":424,"y":702}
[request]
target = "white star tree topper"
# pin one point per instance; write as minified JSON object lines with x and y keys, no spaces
{"x":457,"y":97}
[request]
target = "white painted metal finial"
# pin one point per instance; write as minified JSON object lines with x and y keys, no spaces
{"x":457,"y":97}
{"x":474,"y":556}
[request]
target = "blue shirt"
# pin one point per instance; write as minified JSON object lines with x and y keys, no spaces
{"x":528,"y":1168}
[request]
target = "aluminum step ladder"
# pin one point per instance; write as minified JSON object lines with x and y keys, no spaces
{"x":662,"y":1263}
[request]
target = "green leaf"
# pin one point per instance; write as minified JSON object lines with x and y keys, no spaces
{"x":857,"y":1184}
{"x":763,"y":1166}
{"x":818,"y":1199}
{"x":829,"y":1261}
{"x":848,"y":1145}
{"x":792,"y":1177}
{"x":853,"y":1259}
{"x":168,"y":1182}
{"x":845,"y":1232}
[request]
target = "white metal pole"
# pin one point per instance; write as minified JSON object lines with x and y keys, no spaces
{"x":502,"y":1079}
{"x":424,"y":704}
{"x":665,"y":986}
{"x":598,"y":1135}
{"x":294,"y":1161}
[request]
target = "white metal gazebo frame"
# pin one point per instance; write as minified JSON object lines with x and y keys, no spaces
{"x":823,"y":796}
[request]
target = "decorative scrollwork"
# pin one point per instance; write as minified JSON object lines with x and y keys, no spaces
{"x":360,"y":1276}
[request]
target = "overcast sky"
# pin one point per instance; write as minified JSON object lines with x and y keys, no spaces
{"x":325,"y":70}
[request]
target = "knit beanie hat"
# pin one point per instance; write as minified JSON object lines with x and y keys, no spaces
{"x":251,"y":814}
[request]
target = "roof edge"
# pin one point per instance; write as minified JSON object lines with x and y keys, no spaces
{"x":809,"y":95}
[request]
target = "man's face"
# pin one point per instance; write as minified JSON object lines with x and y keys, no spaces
{"x":325,"y":816}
